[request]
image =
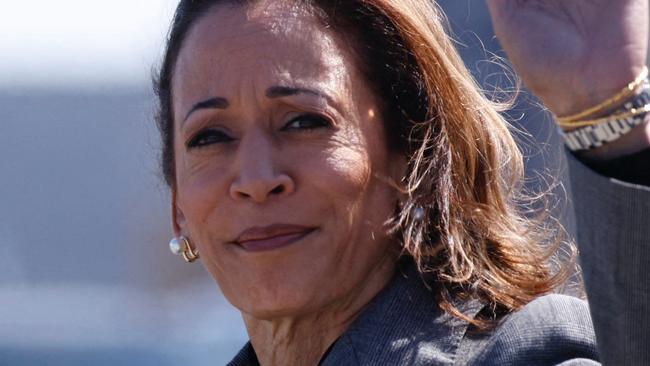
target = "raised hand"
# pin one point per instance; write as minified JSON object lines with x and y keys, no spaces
{"x":573,"y":53}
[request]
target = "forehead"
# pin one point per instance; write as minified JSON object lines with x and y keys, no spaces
{"x":270,"y":43}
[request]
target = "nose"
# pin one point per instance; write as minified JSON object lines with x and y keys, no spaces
{"x":259,"y":177}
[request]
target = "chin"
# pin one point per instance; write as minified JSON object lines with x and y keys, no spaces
{"x":286,"y":282}
{"x":279,"y":302}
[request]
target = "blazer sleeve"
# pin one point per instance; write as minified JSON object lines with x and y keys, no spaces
{"x":551,"y":330}
{"x":613,"y":236}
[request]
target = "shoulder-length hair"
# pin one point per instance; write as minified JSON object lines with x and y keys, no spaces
{"x":460,"y":220}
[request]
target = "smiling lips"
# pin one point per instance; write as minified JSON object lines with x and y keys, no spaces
{"x":257,"y":239}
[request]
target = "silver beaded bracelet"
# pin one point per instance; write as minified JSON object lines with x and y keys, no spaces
{"x":593,"y":136}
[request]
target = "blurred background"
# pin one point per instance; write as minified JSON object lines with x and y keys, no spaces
{"x":86,"y":276}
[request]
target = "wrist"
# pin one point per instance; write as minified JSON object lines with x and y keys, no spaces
{"x":580,"y":96}
{"x":638,"y":139}
{"x":615,"y":126}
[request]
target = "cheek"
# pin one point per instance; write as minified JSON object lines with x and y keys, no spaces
{"x":346,"y":173}
{"x":201,"y":191}
{"x":344,"y":178}
{"x":368,"y":203}
{"x":345,"y":167}
{"x":352,"y":181}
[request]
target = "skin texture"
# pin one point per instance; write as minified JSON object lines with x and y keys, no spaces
{"x":575,"y":54}
{"x":266,"y":161}
{"x":259,"y":165}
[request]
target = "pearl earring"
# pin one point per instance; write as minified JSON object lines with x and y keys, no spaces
{"x":418,"y":213}
{"x":181,"y":246}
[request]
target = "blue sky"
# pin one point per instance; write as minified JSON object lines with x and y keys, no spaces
{"x":81,"y":43}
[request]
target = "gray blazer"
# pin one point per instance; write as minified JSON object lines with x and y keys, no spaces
{"x":403,"y":325}
{"x":613,"y":236}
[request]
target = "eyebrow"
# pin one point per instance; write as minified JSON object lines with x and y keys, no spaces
{"x":272,"y":92}
{"x":212,"y":103}
{"x":286,"y":91}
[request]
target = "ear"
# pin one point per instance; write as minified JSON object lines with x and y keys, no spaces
{"x":178,"y":219}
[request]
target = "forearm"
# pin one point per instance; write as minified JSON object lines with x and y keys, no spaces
{"x":613,"y":237}
{"x":574,"y":55}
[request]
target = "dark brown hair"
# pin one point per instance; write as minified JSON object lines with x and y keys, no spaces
{"x":465,"y":170}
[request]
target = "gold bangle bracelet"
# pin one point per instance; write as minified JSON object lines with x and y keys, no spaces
{"x":626,"y":92}
{"x":631,"y":113}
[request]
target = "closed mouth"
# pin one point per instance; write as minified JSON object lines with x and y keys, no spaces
{"x":271,"y":237}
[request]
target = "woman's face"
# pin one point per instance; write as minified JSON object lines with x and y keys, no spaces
{"x":282,"y":168}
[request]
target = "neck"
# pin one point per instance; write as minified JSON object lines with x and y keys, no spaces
{"x":304,"y":339}
{"x":292,"y":342}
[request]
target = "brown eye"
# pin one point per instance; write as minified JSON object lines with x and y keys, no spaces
{"x":208,"y":137}
{"x":307,"y":122}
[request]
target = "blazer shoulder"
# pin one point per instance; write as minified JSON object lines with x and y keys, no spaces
{"x":551,"y":330}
